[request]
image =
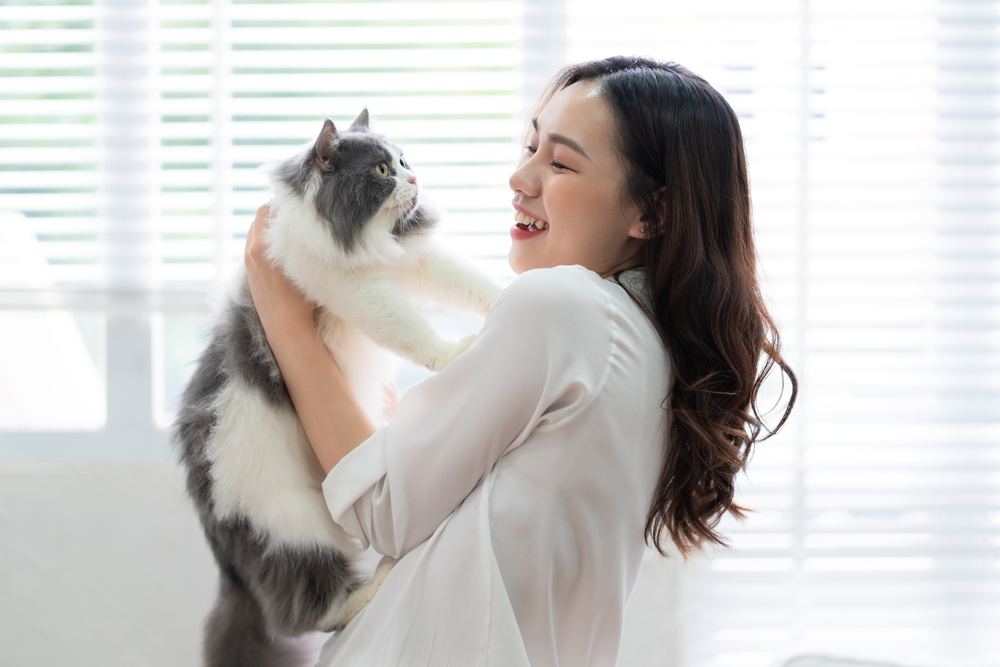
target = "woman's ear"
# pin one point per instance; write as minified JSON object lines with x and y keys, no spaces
{"x":641,"y":229}
{"x":646,"y":226}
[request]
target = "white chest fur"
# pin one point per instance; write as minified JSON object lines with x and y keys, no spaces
{"x":264,"y":469}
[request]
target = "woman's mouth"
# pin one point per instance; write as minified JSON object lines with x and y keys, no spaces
{"x":529,"y":224}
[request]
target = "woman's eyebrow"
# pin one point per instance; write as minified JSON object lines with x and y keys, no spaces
{"x":560,"y":139}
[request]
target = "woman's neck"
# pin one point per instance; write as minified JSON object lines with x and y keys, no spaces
{"x":625,"y":266}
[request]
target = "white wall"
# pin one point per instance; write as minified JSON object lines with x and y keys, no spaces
{"x":105,"y":565}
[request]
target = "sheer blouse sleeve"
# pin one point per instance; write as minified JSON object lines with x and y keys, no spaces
{"x":539,"y":359}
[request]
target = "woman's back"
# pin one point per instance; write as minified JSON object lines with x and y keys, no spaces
{"x":569,"y":509}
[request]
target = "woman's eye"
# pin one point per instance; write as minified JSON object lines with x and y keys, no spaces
{"x":557,"y":165}
{"x":382,"y":169}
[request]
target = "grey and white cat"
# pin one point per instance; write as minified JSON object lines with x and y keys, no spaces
{"x":353,"y":231}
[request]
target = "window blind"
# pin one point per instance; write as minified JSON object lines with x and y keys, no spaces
{"x":180,"y":102}
{"x":243,"y":83}
{"x":48,"y":136}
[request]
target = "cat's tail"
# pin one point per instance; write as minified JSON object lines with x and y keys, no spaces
{"x":237,"y":635}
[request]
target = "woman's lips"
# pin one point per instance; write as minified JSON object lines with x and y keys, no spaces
{"x":518,"y":233}
{"x":527,"y":212}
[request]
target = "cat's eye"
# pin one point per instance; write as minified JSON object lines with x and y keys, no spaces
{"x":403,"y":162}
{"x":382,"y":169}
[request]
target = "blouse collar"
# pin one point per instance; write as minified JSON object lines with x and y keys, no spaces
{"x":635,"y":279}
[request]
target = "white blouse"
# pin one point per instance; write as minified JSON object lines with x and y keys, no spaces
{"x":514,"y":484}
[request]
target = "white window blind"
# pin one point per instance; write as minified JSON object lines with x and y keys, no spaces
{"x":133,"y":135}
{"x":129,"y":137}
{"x":246,"y":82}
{"x":181,"y":101}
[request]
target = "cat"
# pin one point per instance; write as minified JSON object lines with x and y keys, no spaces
{"x":354,"y":232}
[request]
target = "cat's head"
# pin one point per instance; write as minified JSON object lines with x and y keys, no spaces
{"x":358,"y":182}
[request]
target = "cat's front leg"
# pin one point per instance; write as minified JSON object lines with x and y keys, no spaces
{"x":384,"y":313}
{"x":453,"y":280}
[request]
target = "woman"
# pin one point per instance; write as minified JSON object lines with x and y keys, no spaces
{"x":605,"y":400}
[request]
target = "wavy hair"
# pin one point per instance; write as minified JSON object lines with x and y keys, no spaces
{"x":681,"y":149}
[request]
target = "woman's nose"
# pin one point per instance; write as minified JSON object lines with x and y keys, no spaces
{"x":524,"y":180}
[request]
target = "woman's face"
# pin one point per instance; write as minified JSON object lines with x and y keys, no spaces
{"x":569,"y":176}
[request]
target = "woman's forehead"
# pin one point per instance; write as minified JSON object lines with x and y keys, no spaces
{"x":579,"y":112}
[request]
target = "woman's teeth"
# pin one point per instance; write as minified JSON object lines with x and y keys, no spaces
{"x":530,"y":223}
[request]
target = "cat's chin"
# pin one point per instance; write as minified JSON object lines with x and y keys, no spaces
{"x":412,"y":220}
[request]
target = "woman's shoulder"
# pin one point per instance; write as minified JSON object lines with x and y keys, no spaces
{"x":571,"y":303}
{"x":555,"y":324}
{"x":566,"y":295}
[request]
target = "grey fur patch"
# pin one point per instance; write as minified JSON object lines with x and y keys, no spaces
{"x":295,"y":172}
{"x":196,"y":420}
{"x":250,"y":354}
{"x":352,"y":192}
{"x":293,"y":587}
{"x":266,"y":601}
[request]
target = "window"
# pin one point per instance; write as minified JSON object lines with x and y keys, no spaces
{"x":129,"y":141}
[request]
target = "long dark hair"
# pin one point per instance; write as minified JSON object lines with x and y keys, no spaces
{"x":682,"y":152}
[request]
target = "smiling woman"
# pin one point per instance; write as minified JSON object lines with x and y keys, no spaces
{"x":636,"y":162}
{"x":517,"y":488}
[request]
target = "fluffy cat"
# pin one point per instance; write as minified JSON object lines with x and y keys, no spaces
{"x":353,"y":231}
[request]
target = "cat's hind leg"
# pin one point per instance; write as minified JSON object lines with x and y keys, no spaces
{"x":298,"y":587}
{"x":341,"y":615}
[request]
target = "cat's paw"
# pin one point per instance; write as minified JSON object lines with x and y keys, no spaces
{"x":464,"y":344}
{"x":448,"y":354}
{"x":337,"y":618}
{"x":487,"y":297}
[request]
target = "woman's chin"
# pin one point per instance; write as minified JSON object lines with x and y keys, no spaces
{"x":519,"y":264}
{"x":515,"y":262}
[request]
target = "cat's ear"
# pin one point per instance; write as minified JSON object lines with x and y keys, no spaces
{"x":360,"y":123}
{"x":323,"y":149}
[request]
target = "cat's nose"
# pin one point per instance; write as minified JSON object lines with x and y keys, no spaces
{"x":412,"y":179}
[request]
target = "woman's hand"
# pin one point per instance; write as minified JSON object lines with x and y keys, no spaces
{"x":280,"y":304}
{"x":333,"y":421}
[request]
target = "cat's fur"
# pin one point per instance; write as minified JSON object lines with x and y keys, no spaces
{"x":356,"y":237}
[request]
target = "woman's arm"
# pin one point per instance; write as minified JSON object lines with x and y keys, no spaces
{"x":333,"y":421}
{"x":544,"y":351}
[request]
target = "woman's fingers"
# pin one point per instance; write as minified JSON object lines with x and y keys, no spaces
{"x":256,"y":242}
{"x":277,"y":299}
